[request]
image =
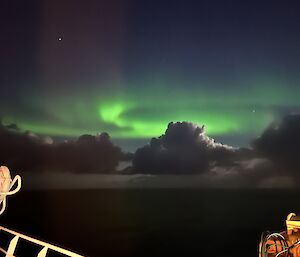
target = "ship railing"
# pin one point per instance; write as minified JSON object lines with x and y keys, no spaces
{"x":42,"y":253}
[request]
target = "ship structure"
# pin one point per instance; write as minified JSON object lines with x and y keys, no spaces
{"x":283,"y":244}
{"x":9,"y":186}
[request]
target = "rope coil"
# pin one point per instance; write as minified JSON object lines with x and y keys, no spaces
{"x":6,"y":184}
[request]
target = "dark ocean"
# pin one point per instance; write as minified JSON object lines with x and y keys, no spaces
{"x":149,"y":222}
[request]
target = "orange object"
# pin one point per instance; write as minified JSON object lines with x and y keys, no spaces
{"x":283,"y":244}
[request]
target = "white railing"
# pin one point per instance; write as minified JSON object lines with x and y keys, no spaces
{"x":42,"y":253}
{"x":6,"y":185}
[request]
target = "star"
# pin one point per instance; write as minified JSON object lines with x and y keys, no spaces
{"x":59,"y":39}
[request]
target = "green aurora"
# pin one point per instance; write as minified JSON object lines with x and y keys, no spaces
{"x":145,"y":113}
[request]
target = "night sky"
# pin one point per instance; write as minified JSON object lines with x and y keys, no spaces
{"x":151,"y":94}
{"x":130,"y":67}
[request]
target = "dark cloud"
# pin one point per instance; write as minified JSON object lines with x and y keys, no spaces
{"x":183,"y":149}
{"x":281,"y":144}
{"x":25,"y":151}
{"x":246,"y":173}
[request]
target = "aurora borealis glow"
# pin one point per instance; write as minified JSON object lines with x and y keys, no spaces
{"x":138,"y":115}
{"x":129,"y":68}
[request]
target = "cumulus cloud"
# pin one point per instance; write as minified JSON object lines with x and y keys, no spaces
{"x":25,"y":151}
{"x":247,"y":172}
{"x":280,"y":143}
{"x":186,"y":149}
{"x":183,"y":149}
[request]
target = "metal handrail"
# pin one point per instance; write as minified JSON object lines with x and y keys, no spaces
{"x":46,"y":246}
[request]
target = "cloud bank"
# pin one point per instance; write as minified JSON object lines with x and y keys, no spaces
{"x":25,"y":151}
{"x":281,"y":144}
{"x":183,"y":151}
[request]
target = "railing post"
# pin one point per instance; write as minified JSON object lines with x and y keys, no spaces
{"x":43,"y":252}
{"x":12,"y":247}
